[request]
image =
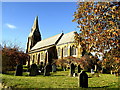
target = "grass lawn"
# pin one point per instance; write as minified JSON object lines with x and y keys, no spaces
{"x":60,"y":79}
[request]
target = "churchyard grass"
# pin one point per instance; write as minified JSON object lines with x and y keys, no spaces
{"x":59,"y":79}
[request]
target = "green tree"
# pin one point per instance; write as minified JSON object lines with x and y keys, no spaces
{"x":99,"y":23}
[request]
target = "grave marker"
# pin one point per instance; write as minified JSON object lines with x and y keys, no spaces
{"x":33,"y":70}
{"x":19,"y":70}
{"x":54,"y":67}
{"x":72,"y":69}
{"x":47,"y":70}
{"x":83,"y":80}
{"x":79,"y":69}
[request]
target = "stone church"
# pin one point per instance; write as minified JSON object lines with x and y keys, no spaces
{"x":55,"y":47}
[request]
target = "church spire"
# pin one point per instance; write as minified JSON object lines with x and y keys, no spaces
{"x":35,"y":24}
{"x":34,"y":35}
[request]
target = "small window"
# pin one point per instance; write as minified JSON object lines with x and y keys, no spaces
{"x":65,"y":51}
{"x":73,"y":50}
{"x":42,"y":56}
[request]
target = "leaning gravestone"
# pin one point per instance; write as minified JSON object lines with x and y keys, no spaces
{"x":47,"y":70}
{"x":33,"y":70}
{"x":19,"y":70}
{"x":83,"y":80}
{"x":54,"y":67}
{"x":72,"y":69}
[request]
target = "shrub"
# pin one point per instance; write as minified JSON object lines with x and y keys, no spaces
{"x":11,"y":56}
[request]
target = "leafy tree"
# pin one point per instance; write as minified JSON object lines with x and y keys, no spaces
{"x":99,"y":23}
{"x":87,"y":62}
{"x":110,"y":62}
{"x":11,"y":56}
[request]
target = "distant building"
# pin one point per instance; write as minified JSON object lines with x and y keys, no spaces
{"x":55,"y":47}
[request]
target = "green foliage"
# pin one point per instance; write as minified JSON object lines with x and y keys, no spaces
{"x":59,"y":80}
{"x":99,"y":23}
{"x":111,"y":61}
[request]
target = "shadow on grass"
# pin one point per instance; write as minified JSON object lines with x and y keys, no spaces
{"x":99,"y":87}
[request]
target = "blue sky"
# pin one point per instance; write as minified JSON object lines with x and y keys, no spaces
{"x":54,"y":17}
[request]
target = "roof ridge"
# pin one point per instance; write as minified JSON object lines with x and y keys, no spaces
{"x":70,"y":32}
{"x":67,"y":38}
{"x":50,"y":37}
{"x":46,"y":42}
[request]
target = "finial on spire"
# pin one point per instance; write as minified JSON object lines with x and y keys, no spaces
{"x":36,"y":17}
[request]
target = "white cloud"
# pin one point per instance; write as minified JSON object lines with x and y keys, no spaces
{"x":11,"y":26}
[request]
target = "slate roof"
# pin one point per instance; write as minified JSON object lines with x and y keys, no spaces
{"x":67,"y":38}
{"x":47,"y":42}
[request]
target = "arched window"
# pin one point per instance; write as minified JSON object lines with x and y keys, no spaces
{"x":42,"y":56}
{"x":65,"y":51}
{"x":59,"y":51}
{"x":73,"y":50}
{"x":36,"y":57}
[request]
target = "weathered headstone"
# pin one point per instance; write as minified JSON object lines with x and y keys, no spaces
{"x":72,"y":69}
{"x":79,"y":69}
{"x":33,"y":70}
{"x":83,"y":80}
{"x":54,"y":67}
{"x":19,"y":70}
{"x":47,"y":70}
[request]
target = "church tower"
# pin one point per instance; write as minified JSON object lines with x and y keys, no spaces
{"x":34,"y":35}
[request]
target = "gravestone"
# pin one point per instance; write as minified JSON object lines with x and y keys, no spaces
{"x":54,"y":67}
{"x":72,"y":69}
{"x":83,"y":80}
{"x":79,"y":69}
{"x":19,"y":70}
{"x":47,"y":70}
{"x":33,"y":70}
